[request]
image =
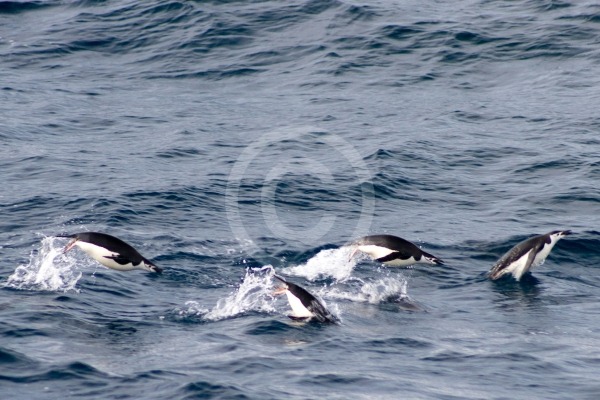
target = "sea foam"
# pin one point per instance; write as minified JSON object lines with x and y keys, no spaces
{"x":48,"y":269}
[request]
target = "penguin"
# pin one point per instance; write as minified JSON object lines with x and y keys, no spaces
{"x":304,"y":305}
{"x":393,"y":251}
{"x":526,"y":255}
{"x":110,"y":251}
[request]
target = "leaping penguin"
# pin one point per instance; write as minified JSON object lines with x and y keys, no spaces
{"x":393,"y":251}
{"x":110,"y":251}
{"x":304,"y":305}
{"x":526,"y":255}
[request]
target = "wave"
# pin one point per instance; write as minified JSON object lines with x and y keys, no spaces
{"x":336,"y":264}
{"x":328,"y":263}
{"x":382,"y":290}
{"x":48,"y":269}
{"x":16,"y":7}
{"x":253,"y":295}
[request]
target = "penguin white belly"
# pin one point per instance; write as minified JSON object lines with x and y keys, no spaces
{"x":374,"y":251}
{"x":100,"y":254}
{"x":541,"y":256}
{"x":517,"y":268}
{"x":297,"y":307}
{"x":401,"y":263}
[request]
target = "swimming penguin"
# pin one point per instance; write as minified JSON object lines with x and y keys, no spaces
{"x":393,"y":251}
{"x":110,"y":251}
{"x":526,"y":255}
{"x":304,"y":305}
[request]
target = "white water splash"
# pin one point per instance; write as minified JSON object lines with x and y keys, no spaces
{"x":193,"y":308}
{"x":254,"y":294}
{"x":376,"y":292}
{"x":335,"y":263}
{"x":48,"y":269}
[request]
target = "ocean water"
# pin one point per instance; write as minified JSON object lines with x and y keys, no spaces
{"x":229,"y":139}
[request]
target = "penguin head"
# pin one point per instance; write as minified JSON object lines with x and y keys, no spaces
{"x":151,"y":267}
{"x":561,"y":233}
{"x":555,"y":236}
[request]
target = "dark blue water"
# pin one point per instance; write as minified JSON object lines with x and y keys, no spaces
{"x":223,"y":137}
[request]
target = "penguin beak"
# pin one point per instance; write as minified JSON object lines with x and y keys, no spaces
{"x":565,"y":233}
{"x":70,"y":245}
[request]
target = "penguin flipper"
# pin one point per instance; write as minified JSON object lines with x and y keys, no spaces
{"x":120,"y":259}
{"x":528,"y":264}
{"x":392,"y":256}
{"x":532,"y":254}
